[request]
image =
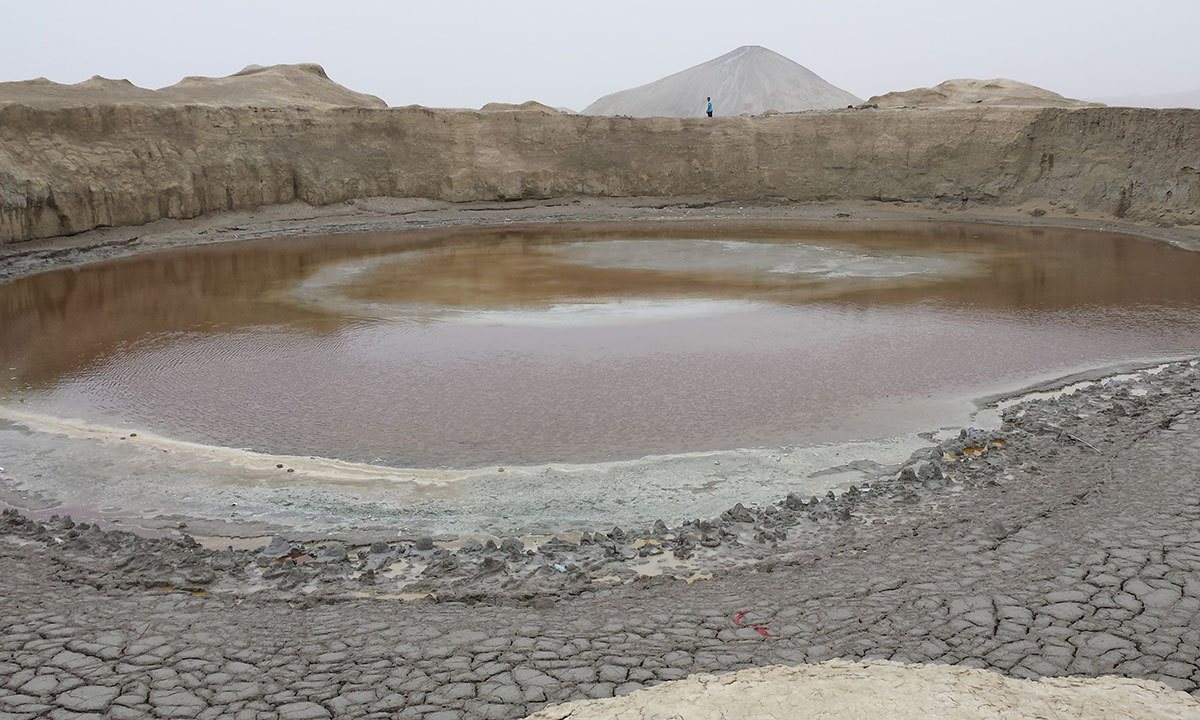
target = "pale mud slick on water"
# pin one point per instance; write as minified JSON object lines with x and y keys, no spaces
{"x":618,"y":373}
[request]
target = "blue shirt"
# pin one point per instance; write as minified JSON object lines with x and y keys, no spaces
{"x":710,"y":105}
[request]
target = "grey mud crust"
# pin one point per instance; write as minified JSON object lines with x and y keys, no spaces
{"x":1065,"y":543}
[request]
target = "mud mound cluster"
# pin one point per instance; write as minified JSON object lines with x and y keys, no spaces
{"x":305,"y":85}
{"x":967,"y":91}
{"x":527,"y":106}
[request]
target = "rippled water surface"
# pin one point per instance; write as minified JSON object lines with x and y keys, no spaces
{"x":587,"y":342}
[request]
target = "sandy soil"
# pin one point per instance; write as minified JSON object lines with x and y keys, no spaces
{"x":838,"y":690}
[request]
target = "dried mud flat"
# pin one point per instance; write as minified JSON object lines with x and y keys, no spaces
{"x":1065,"y":543}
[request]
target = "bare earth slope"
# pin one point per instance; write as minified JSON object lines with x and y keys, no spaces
{"x":750,"y":79}
{"x":527,"y":106}
{"x":304,"y":85}
{"x":967,"y":91}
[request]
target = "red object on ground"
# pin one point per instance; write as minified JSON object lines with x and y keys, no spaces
{"x":763,"y":630}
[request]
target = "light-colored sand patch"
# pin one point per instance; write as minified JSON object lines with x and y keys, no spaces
{"x":840,"y":690}
{"x":327,"y":470}
{"x":157,"y":481}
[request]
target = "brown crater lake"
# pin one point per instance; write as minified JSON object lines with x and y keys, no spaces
{"x":468,"y":347}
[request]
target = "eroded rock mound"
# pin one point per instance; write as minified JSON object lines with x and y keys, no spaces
{"x":43,"y":93}
{"x":527,"y":106}
{"x":750,"y":79}
{"x":967,"y":91}
{"x":839,"y":689}
{"x":304,"y":85}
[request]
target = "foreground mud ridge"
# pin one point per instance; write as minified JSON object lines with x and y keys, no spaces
{"x":1064,"y":544}
{"x":65,"y":170}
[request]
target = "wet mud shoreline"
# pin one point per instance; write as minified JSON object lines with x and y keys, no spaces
{"x":1063,"y":543}
{"x":473,"y":568}
{"x":389,"y":214}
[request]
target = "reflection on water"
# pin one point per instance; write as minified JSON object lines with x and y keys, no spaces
{"x":463,"y":347}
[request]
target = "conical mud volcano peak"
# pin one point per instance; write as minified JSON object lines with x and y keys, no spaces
{"x":750,"y":79}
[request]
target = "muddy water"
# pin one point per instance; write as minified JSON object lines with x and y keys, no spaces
{"x":465,"y":348}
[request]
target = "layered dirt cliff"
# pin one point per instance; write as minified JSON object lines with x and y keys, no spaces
{"x":64,"y":170}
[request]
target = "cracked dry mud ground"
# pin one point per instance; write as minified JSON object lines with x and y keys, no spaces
{"x":1074,"y":550}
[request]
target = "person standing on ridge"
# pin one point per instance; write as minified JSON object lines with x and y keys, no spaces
{"x":709,"y":107}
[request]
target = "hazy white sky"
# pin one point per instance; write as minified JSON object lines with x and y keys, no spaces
{"x":563,"y":53}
